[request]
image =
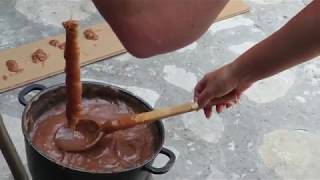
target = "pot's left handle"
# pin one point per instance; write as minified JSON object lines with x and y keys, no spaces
{"x":10,"y":154}
{"x":27,"y":90}
{"x":165,"y":168}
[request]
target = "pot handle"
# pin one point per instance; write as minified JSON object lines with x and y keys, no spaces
{"x":10,"y":154}
{"x":27,"y":90}
{"x":165,"y":168}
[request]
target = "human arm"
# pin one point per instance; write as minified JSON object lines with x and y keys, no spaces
{"x":150,"y":27}
{"x":295,"y":43}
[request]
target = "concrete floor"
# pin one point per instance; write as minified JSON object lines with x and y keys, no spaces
{"x":272,"y":134}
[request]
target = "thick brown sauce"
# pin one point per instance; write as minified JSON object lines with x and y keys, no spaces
{"x":73,"y":82}
{"x":116,"y":151}
{"x":39,"y":56}
{"x":54,"y":43}
{"x":13,"y":66}
{"x":4,"y":77}
{"x":62,"y":46}
{"x":90,"y":34}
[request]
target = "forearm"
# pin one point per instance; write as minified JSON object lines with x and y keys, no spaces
{"x":297,"y":42}
{"x":147,"y":28}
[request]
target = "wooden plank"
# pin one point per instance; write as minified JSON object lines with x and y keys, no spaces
{"x":233,"y":8}
{"x":90,"y":51}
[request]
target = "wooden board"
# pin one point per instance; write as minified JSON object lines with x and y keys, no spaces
{"x":90,"y":51}
{"x":106,"y":46}
{"x":233,"y":8}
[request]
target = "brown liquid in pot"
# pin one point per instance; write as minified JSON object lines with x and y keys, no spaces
{"x":115,"y":152}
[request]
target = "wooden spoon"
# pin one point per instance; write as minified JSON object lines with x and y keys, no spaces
{"x":88,"y":132}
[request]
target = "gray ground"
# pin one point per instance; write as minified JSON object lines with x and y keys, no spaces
{"x":272,"y":134}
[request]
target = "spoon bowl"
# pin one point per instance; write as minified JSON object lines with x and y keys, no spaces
{"x":86,"y":135}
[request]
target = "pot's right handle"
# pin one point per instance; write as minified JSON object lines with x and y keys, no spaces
{"x":10,"y":154}
{"x":27,"y":90}
{"x":165,"y":168}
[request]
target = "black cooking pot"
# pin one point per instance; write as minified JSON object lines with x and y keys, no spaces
{"x":43,"y":167}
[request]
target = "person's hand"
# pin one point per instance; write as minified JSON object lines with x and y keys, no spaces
{"x":219,"y":88}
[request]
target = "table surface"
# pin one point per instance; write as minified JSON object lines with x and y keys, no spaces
{"x":272,"y":134}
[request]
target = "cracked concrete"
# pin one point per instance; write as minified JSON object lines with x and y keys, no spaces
{"x":257,"y":139}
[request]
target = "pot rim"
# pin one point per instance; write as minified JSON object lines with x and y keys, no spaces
{"x":149,"y":108}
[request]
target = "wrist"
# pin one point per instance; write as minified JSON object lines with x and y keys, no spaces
{"x":238,"y":75}
{"x":230,"y":76}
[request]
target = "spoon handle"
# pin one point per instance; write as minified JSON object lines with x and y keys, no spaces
{"x":165,"y":112}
